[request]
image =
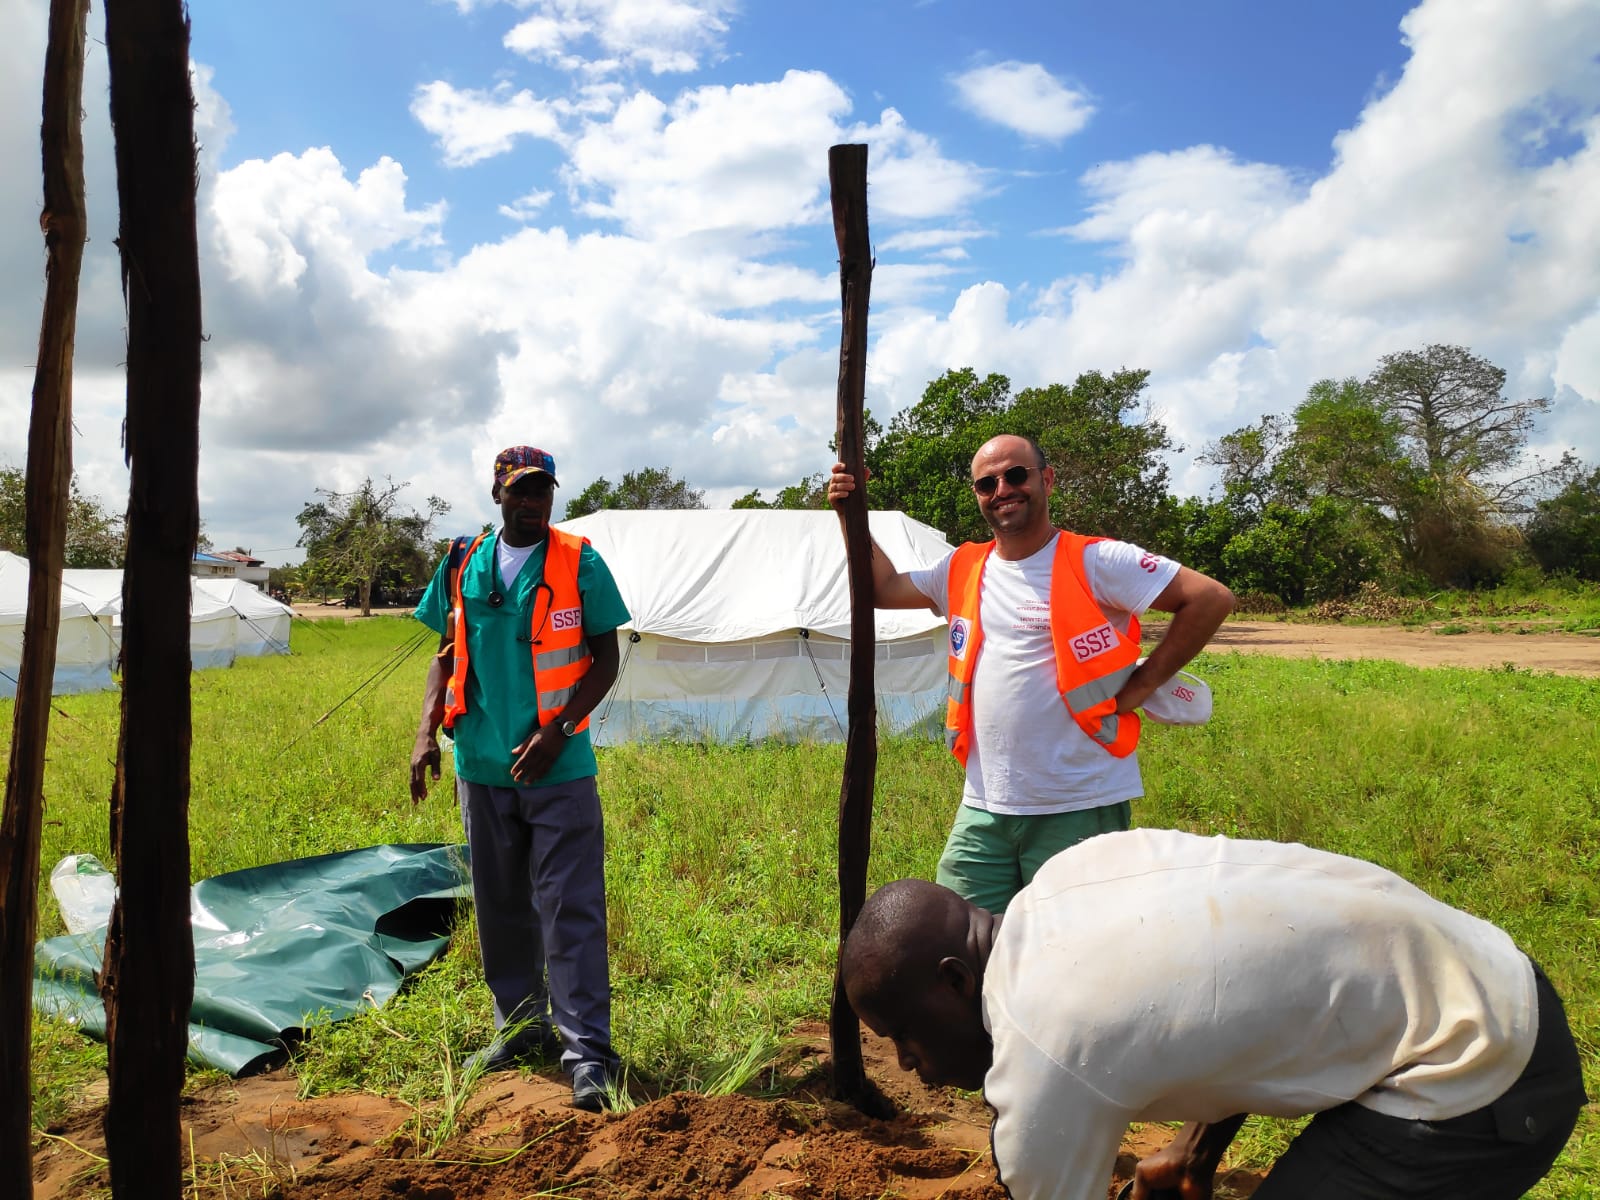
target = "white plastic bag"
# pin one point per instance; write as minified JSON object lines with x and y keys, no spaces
{"x":84,"y":890}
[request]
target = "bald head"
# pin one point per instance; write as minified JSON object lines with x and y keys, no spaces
{"x":912,"y":968}
{"x":1011,"y":446}
{"x":903,"y":931}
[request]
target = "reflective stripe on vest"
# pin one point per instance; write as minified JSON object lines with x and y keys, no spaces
{"x":560,"y":655}
{"x":1093,"y":659}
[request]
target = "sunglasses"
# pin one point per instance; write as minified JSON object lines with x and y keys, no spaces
{"x":985,"y":485}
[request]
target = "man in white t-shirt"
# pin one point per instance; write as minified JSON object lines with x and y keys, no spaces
{"x":1153,"y":975}
{"x":1043,"y":668}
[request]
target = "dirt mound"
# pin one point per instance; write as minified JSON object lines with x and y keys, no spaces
{"x":253,"y":1136}
{"x":682,"y":1145}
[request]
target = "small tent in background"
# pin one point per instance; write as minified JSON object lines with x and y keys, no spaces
{"x":262,"y":623}
{"x":227,"y":618}
{"x":741,"y":625}
{"x":84,"y":650}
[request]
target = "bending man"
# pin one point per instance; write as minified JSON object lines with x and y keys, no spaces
{"x":1158,"y":976}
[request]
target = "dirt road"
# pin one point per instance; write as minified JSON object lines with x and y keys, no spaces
{"x":1562,"y":653}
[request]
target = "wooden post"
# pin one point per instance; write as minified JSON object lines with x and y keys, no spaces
{"x":847,"y":177}
{"x":148,"y":982}
{"x":49,"y":482}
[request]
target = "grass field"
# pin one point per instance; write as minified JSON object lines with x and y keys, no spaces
{"x":1483,"y":787}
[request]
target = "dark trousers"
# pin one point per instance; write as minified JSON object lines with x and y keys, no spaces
{"x":1497,"y":1152}
{"x":539,"y":888}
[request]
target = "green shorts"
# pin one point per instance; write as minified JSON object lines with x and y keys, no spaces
{"x":990,"y":857}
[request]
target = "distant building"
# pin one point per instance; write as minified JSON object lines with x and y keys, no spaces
{"x":230,"y":564}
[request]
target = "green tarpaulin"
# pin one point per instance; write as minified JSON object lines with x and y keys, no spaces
{"x":282,"y":947}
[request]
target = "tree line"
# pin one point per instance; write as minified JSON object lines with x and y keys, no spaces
{"x":1416,"y":475}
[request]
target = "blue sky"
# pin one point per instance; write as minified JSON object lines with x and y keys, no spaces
{"x":431,"y":229}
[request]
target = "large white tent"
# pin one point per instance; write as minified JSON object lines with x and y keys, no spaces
{"x":741,"y":623}
{"x":227,"y":618}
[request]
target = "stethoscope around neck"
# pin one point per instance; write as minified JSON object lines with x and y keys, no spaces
{"x":496,"y":598}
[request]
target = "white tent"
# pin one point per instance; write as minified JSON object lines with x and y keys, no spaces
{"x":741,"y":626}
{"x":227,"y":618}
{"x":261,"y":623}
{"x":216,"y":622}
{"x":83,"y":648}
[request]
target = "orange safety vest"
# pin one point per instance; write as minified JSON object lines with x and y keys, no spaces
{"x":560,"y":654}
{"x":1093,"y":658}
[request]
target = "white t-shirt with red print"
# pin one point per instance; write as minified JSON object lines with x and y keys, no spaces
{"x":1028,"y":755}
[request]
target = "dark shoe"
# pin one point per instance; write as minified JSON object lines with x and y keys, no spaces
{"x":591,"y":1087}
{"x":534,"y":1044}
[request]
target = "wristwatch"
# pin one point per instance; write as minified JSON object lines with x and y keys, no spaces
{"x":569,"y":728}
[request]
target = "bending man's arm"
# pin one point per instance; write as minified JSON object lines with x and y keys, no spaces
{"x":1198,"y":605}
{"x":1188,"y":1163}
{"x":1053,"y":1137}
{"x":890,"y":588}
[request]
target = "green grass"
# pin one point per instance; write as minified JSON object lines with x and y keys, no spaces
{"x":1483,"y":787}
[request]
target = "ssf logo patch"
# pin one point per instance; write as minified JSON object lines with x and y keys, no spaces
{"x":960,"y":631}
{"x":1093,"y":643}
{"x":566,"y":618}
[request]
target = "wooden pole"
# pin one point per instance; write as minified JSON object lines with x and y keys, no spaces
{"x":49,"y":482}
{"x":148,"y":982}
{"x":847,"y":177}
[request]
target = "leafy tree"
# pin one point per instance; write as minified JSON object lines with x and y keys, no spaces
{"x":366,"y":539}
{"x":922,"y":465}
{"x":649,"y":487}
{"x":95,"y":538}
{"x":1346,"y":444}
{"x":1456,"y":536}
{"x":1456,"y":424}
{"x":1423,"y":446}
{"x":1106,"y":449}
{"x":811,"y":492}
{"x":1317,"y":551}
{"x":1252,"y":461}
{"x":1564,"y":534}
{"x":1108,"y":452}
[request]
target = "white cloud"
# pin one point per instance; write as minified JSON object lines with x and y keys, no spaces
{"x":909,"y":178}
{"x":658,"y":35}
{"x":728,"y":159}
{"x":271,"y":218}
{"x":472,"y":125}
{"x":526,"y":208}
{"x":752,"y":158}
{"x":931,"y":239}
{"x":1024,"y":97}
{"x":1577,"y":364}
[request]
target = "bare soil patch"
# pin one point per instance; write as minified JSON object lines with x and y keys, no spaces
{"x":254,"y":1137}
{"x":1561,"y":653}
